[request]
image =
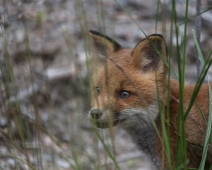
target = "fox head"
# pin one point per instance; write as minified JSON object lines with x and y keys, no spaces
{"x":126,"y":88}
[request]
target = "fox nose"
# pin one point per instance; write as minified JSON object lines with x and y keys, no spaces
{"x":96,"y":113}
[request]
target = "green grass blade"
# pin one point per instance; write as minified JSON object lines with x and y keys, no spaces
{"x":181,"y":148}
{"x":191,"y":18}
{"x":198,"y":49}
{"x":165,"y":136}
{"x":208,"y":132}
{"x":107,"y":149}
{"x":198,"y":84}
{"x":209,"y":123}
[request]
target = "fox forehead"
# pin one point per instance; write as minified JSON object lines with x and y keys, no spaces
{"x":120,"y":61}
{"x":117,"y":64}
{"x":120,"y":68}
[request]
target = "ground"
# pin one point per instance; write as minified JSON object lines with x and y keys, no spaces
{"x":45,"y":53}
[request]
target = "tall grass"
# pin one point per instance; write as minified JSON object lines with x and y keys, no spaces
{"x":25,"y":137}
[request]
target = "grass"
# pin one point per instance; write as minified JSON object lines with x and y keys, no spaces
{"x":209,"y":122}
{"x":22,"y":131}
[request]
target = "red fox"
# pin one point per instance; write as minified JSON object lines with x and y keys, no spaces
{"x":126,"y":92}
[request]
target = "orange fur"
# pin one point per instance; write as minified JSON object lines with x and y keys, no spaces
{"x":128,"y":85}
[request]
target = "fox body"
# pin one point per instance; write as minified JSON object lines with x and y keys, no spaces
{"x":131,"y":89}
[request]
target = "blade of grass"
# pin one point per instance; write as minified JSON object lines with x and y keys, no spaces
{"x":156,"y":23}
{"x":165,"y":136}
{"x":190,"y":18}
{"x":198,"y":48}
{"x":106,"y":148}
{"x":182,"y":145}
{"x":208,"y":132}
{"x":200,"y":80}
{"x":209,"y":123}
{"x":181,"y":148}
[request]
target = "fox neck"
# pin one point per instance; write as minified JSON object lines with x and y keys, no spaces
{"x":145,"y":136}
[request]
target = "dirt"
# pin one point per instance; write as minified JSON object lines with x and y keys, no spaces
{"x":45,"y":71}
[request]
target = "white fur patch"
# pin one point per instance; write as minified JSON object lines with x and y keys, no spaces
{"x":139,"y":116}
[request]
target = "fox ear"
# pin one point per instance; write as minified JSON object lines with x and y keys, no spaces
{"x":150,"y":53}
{"x":103,"y":44}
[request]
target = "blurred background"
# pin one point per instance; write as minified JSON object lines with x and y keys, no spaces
{"x":45,"y":56}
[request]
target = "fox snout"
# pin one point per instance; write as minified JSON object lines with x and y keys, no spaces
{"x":102,"y":119}
{"x":95,"y":113}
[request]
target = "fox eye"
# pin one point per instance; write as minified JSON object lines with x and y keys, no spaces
{"x":97,"y":90}
{"x":124,"y":94}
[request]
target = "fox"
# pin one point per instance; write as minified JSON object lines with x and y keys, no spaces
{"x":131,"y":89}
